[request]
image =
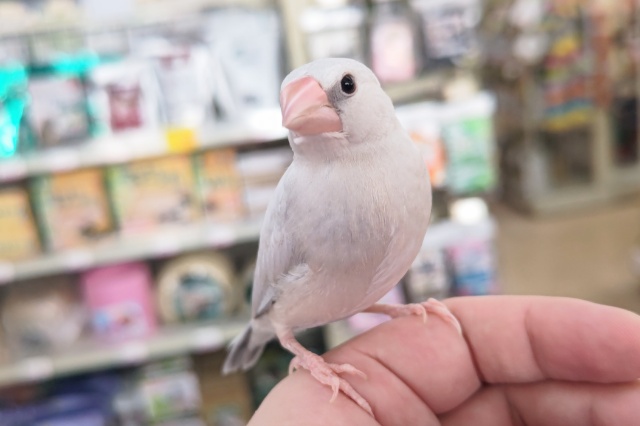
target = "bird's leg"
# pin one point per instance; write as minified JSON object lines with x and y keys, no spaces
{"x":432,"y":306}
{"x":324,"y":372}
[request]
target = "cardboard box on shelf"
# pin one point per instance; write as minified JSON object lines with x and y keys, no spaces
{"x":219,"y":184}
{"x":72,"y":208}
{"x":150,"y":193}
{"x":18,"y":236}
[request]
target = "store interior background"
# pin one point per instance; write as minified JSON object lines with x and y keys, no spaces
{"x":140,"y":142}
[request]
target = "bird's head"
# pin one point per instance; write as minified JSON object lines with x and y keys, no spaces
{"x":338,"y":98}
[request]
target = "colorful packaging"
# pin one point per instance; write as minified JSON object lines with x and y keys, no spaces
{"x":393,"y":52}
{"x":471,"y":253}
{"x":58,"y":112}
{"x":120,"y":302}
{"x":196,"y":287}
{"x":422,"y":122}
{"x":13,"y":100}
{"x":123,"y":97}
{"x":428,"y":276}
{"x":219,"y":185}
{"x":474,"y":267}
{"x":170,"y":389}
{"x":151,"y":193}
{"x":470,"y":141}
{"x":448,"y":28}
{"x":18,"y":235}
{"x":72,"y":208}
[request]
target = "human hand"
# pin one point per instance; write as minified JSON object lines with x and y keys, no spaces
{"x":522,"y":360}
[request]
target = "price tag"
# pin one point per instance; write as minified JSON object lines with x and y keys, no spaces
{"x":78,"y":259}
{"x":133,"y":353}
{"x":37,"y":368}
{"x":7,"y":272}
{"x":181,"y":139}
{"x":12,"y":169}
{"x":206,"y":339}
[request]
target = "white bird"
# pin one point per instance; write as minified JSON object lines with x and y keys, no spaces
{"x":347,"y":219}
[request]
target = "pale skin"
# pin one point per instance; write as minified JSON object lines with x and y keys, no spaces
{"x":520,"y":361}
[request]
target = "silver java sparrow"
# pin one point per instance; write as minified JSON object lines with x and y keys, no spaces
{"x":347,"y":219}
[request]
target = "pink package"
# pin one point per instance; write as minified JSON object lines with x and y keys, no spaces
{"x":119,"y":300}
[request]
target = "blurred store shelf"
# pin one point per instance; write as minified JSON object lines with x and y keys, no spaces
{"x":126,"y":147}
{"x":417,"y":89}
{"x":95,"y":355}
{"x":70,"y":17}
{"x":156,"y":244}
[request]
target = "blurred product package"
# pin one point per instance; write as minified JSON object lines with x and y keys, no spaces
{"x":124,"y":96}
{"x":13,"y":101}
{"x":183,"y":69}
{"x":335,"y":31}
{"x":448,"y":29}
{"x":120,"y":301}
{"x":151,"y":193}
{"x":457,"y":257}
{"x":79,"y":401}
{"x":196,"y":287}
{"x":393,"y":42}
{"x":422,"y":121}
{"x":18,"y":234}
{"x":58,"y":110}
{"x":163,"y":392}
{"x":72,"y":208}
{"x":457,"y":141}
{"x":468,"y":132}
{"x":428,"y":276}
{"x":261,"y":171}
{"x":246,"y":48}
{"x":219,"y":185}
{"x":42,"y":316}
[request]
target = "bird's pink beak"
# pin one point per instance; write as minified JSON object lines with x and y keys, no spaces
{"x":306,"y":109}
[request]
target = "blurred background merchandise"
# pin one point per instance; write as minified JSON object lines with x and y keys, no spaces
{"x":140,"y":143}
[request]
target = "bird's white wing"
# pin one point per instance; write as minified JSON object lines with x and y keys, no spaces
{"x":275,"y":254}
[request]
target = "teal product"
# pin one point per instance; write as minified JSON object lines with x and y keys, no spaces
{"x":13,"y":99}
{"x":470,"y":143}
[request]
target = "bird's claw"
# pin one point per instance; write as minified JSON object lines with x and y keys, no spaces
{"x":328,"y":374}
{"x":437,"y":307}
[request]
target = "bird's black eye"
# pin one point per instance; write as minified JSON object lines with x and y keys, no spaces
{"x":348,"y":84}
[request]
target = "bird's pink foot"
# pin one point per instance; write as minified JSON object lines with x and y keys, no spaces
{"x":432,"y":306}
{"x":328,"y":374}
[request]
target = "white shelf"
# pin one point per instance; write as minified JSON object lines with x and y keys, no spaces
{"x":95,"y":355}
{"x":161,"y":243}
{"x":138,"y":145}
{"x":144,"y":13}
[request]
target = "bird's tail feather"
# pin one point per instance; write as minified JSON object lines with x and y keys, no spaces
{"x":245,"y":350}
